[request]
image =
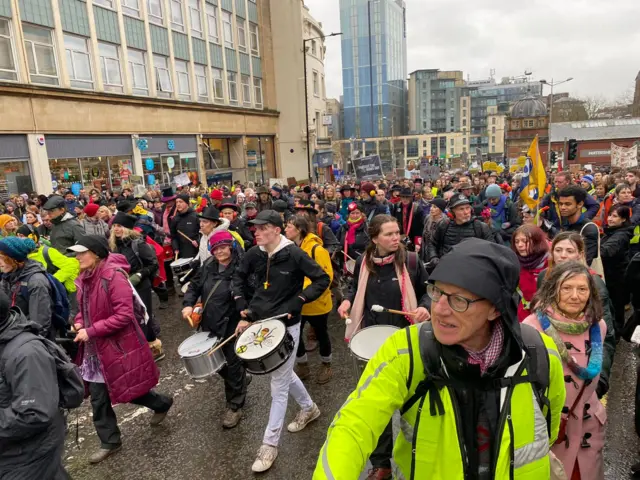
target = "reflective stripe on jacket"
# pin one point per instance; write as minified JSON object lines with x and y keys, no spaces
{"x":429,"y":446}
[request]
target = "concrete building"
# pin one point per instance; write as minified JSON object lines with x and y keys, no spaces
{"x":528,"y":117}
{"x":434,"y":101}
{"x":374,"y":67}
{"x":334,"y":110}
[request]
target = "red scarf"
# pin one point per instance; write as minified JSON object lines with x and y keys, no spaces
{"x":406,"y":222}
{"x":353,"y":226}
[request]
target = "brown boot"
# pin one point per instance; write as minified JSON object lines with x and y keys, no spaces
{"x":302,"y":370}
{"x":231,"y":418}
{"x":312,"y":341}
{"x":325,"y":373}
{"x":379,"y":474}
{"x":156,"y":350}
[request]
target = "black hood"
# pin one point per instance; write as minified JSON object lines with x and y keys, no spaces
{"x":15,"y":324}
{"x":487,"y":270}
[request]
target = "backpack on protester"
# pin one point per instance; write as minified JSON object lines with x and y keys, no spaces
{"x":59,"y":300}
{"x":51,"y":268}
{"x":70,"y":383}
{"x":139,"y":309}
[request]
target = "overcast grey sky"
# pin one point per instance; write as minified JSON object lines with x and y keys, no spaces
{"x":594,"y":41}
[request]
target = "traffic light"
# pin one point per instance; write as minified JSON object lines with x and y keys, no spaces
{"x":554,"y":159}
{"x":573,"y":149}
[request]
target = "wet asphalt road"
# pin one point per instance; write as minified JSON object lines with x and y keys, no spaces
{"x":191,"y":443}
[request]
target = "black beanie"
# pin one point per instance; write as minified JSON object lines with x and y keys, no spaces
{"x":124,"y":219}
{"x":184,"y":197}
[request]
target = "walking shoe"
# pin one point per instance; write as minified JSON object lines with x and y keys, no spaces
{"x":303,"y":418}
{"x":265,"y":458}
{"x":248,"y":379}
{"x":312,"y":341}
{"x":164,"y":305}
{"x":231,"y":418}
{"x":156,"y":350}
{"x":325,"y":373}
{"x":103,"y":454}
{"x":158,"y":417}
{"x":302,"y":370}
{"x":379,"y":474}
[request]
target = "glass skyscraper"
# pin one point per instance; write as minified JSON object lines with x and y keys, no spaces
{"x":374,"y":67}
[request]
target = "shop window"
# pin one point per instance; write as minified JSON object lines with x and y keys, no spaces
{"x":154,"y":10}
{"x":195,"y":16}
{"x":177,"y":19}
{"x":254,"y":39}
{"x":41,"y":56}
{"x":233,"y":88}
{"x":131,"y":7}
{"x":15,"y":178}
{"x":246,"y":90}
{"x":92,"y":172}
{"x":78,"y":62}
{"x":227,"y":29}
{"x":110,"y":67}
{"x":182,"y":74}
{"x":216,"y":156}
{"x":260,"y":159}
{"x":242,"y":35}
{"x":138,"y":72}
{"x":212,"y":22}
{"x":8,"y":68}
{"x":218,"y":85}
{"x":257,"y":91}
{"x":201,"y":82}
{"x":163,"y":77}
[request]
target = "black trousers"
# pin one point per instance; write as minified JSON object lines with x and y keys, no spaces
{"x":619,"y":296}
{"x":235,"y":378}
{"x":152,"y":329}
{"x":381,"y":456}
{"x":319,"y":324}
{"x":104,"y":418}
{"x":162,"y":292}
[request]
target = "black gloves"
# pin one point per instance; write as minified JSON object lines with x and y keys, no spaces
{"x":241,"y":304}
{"x":295,"y":306}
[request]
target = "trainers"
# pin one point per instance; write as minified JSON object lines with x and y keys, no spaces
{"x":379,"y":474}
{"x":231,"y":418}
{"x":156,"y":350}
{"x":158,"y":417}
{"x":164,"y":305}
{"x":103,"y":454}
{"x":248,"y":379}
{"x":302,"y":370}
{"x":303,"y":418}
{"x":325,"y":373}
{"x":265,"y":458}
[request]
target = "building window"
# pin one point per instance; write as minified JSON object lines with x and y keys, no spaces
{"x":316,"y":87}
{"x":493,"y":120}
{"x":452,"y":151}
{"x":104,"y":3}
{"x":313,"y":48}
{"x":464,"y":122}
{"x":41,"y":56}
{"x":131,"y":7}
{"x":493,"y":149}
{"x":451,"y":122}
{"x":493,"y":139}
{"x":110,"y":67}
{"x":257,"y":91}
{"x":138,"y":72}
{"x":154,"y":9}
{"x":227,"y":29}
{"x":464,"y":103}
{"x":201,"y":83}
{"x":233,"y":88}
{"x":324,"y":90}
{"x":212,"y":22}
{"x":424,"y":125}
{"x":242,"y":35}
{"x":182,"y":76}
{"x":218,"y":85}
{"x":253,"y":38}
{"x":8,"y":69}
{"x":163,"y":77}
{"x":464,"y":140}
{"x":245,"y":80}
{"x":424,"y":144}
{"x":515,"y":124}
{"x":195,"y":16}
{"x":177,"y":19}
{"x":464,"y":113}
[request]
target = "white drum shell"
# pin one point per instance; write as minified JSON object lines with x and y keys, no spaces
{"x":365,"y":343}
{"x":203,"y":364}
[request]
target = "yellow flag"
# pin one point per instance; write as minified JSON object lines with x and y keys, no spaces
{"x":534,"y":179}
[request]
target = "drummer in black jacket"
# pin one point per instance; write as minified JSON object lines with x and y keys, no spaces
{"x":212,"y":284}
{"x":230,"y":211}
{"x":185,"y":229}
{"x":279,"y":268}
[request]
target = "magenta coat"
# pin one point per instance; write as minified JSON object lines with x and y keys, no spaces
{"x":590,"y":459}
{"x":126,"y":360}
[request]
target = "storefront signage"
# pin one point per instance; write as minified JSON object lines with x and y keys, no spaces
{"x":368,"y":168}
{"x":171,"y":162}
{"x":252,"y":158}
{"x":595,"y":153}
{"x":149,"y":163}
{"x":171,"y":145}
{"x":40,"y":140}
{"x":143,"y":144}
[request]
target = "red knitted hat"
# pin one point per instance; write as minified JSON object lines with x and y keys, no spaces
{"x":217,"y":195}
{"x":91,"y":209}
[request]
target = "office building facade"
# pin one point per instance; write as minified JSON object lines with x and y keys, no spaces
{"x":374,"y":67}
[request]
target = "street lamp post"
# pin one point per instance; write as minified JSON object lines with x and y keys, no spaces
{"x":306,"y":95}
{"x":552,"y":84}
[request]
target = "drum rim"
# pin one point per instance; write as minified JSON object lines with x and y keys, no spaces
{"x":183,"y":261}
{"x":362,"y":330}
{"x":206,"y":352}
{"x":235,"y":345}
{"x":248,"y":363}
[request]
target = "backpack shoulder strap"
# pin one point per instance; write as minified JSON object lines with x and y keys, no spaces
{"x":477,"y":229}
{"x":412,"y":264}
{"x":313,"y":251}
{"x":320,"y":227}
{"x":538,"y":368}
{"x":47,"y":258}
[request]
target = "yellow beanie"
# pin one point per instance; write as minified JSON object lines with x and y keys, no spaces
{"x":5,"y":218}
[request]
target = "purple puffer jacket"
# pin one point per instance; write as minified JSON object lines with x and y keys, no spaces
{"x":125,"y":358}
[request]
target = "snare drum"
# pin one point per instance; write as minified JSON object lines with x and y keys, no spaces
{"x":365,"y":343}
{"x":264,"y":346}
{"x":196,"y":355}
{"x":180,"y":267}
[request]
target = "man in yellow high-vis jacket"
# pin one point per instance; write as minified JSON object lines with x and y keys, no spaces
{"x":480,"y":396}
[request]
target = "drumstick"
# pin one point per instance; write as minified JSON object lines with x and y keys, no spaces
{"x":176,"y":256}
{"x":223,"y":343}
{"x":190,"y":321}
{"x":380,"y":309}
{"x":185,"y":236}
{"x":347,"y":255}
{"x":185,"y":275}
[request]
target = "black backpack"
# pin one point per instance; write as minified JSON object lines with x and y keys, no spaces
{"x":70,"y":383}
{"x":536,"y":363}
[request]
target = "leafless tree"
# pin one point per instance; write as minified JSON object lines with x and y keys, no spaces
{"x":593,"y":105}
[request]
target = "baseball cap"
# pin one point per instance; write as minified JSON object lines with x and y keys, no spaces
{"x":268,"y":216}
{"x":91,"y":243}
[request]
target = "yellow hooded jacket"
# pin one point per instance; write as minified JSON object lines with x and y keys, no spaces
{"x":68,"y":267}
{"x":323,"y":304}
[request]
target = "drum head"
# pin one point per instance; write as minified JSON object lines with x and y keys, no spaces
{"x":196,"y":344}
{"x":180,"y":262}
{"x":260,"y":339}
{"x":368,"y":341}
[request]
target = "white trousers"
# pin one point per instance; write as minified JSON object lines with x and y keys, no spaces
{"x":285,"y":381}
